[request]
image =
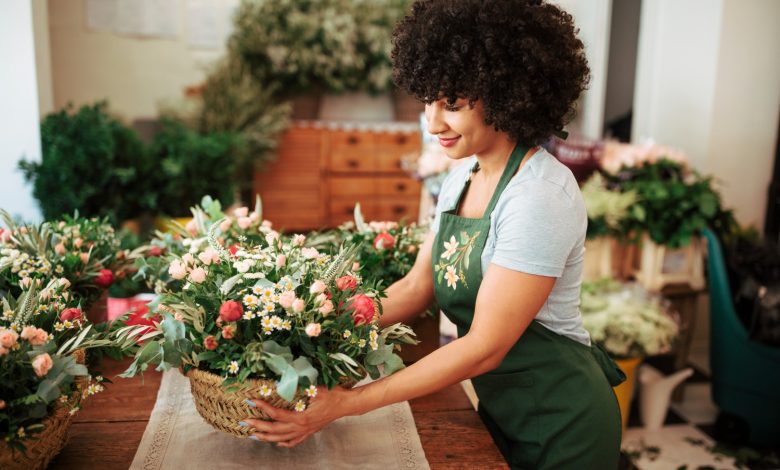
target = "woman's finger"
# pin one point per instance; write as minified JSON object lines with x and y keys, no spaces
{"x":270,"y":426}
{"x":294,"y":442}
{"x":271,"y":437}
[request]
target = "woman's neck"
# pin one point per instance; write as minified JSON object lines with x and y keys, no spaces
{"x":493,"y":160}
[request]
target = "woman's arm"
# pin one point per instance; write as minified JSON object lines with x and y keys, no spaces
{"x":412,"y":294}
{"x":507,"y":302}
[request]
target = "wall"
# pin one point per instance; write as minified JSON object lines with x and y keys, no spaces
{"x":19,"y":133}
{"x":135,"y":74}
{"x":708,"y":82}
{"x":621,"y":63}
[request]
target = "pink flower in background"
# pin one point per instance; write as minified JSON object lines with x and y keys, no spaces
{"x":192,"y":227}
{"x":105,"y":278}
{"x":5,"y":235}
{"x":310,"y":253}
{"x":177,"y":270}
{"x":346,"y":282}
{"x":64,"y":282}
{"x":42,"y":364}
{"x":35,"y":336}
{"x":84,"y":257}
{"x":298,"y":240}
{"x":362,"y":309}
{"x":384,"y":241}
{"x":313,"y":329}
{"x":326,"y":308}
{"x":286,"y":299}
{"x":78,"y":242}
{"x":355,"y":266}
{"x":228,"y":331}
{"x":155,"y":251}
{"x":210,"y":342}
{"x":59,"y":248}
{"x":280,"y":261}
{"x":254,"y":217}
{"x":271,"y":237}
{"x":8,"y":338}
{"x":198,"y":275}
{"x":224,"y":226}
{"x":188,"y":258}
{"x":266,"y":223}
{"x":241,"y":212}
{"x":230,"y":311}
{"x":70,"y":314}
{"x":298,"y":305}
{"x":208,"y":256}
{"x":317,"y":287}
{"x":244,"y":222}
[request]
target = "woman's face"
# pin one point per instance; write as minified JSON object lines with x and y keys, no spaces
{"x":461,"y":129}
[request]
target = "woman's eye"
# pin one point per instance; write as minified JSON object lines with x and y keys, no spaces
{"x":451,"y":108}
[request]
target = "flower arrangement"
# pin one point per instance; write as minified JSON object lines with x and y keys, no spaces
{"x":334,"y":45}
{"x":616,"y":156}
{"x":626,"y":320}
{"x":42,"y":332}
{"x":607,"y":210}
{"x":274,"y":310}
{"x":83,"y":251}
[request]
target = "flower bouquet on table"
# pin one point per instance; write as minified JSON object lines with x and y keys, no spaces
{"x":83,"y":251}
{"x":274,"y":320}
{"x":43,"y":379}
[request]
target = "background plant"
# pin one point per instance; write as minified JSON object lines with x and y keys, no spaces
{"x":92,"y":163}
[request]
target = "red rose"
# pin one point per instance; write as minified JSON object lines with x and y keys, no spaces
{"x":233,"y":249}
{"x":155,"y":251}
{"x":384,"y":241}
{"x":362,"y":309}
{"x":230,"y":311}
{"x":105,"y":278}
{"x":73,"y":314}
{"x":346,"y":282}
{"x":210,"y":342}
{"x":138,"y":316}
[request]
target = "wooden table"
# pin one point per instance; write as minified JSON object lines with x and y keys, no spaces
{"x":107,"y":432}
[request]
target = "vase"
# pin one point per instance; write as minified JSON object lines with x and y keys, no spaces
{"x":358,"y":106}
{"x":625,"y":391}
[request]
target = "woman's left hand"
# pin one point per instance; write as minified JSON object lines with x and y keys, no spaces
{"x":290,"y":428}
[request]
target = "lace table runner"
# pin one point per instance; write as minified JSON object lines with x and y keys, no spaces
{"x":177,"y":437}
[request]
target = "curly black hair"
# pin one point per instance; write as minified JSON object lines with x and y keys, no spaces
{"x":522,"y":58}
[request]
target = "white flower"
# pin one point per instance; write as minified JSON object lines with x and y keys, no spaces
{"x":450,"y":247}
{"x":311,"y":391}
{"x":347,"y":333}
{"x":233,"y":367}
{"x":452,"y":277}
{"x":300,"y":406}
{"x":265,"y":390}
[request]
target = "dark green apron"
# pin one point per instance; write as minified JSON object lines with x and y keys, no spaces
{"x":550,"y":403}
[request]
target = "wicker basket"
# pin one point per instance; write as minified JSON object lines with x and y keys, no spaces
{"x":46,"y":444}
{"x":224,"y":410}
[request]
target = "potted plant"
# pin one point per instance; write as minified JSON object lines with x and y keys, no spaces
{"x":43,"y":379}
{"x":273,"y":320}
{"x":631,"y":324}
{"x":91,"y":163}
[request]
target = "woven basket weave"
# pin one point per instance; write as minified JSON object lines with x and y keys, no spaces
{"x":45,"y":445}
{"x":224,"y":410}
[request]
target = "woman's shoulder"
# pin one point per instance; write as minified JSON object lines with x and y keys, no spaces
{"x":543,"y":170}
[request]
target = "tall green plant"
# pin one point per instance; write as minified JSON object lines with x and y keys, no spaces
{"x":91,"y":163}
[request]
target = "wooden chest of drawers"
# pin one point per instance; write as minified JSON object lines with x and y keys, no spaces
{"x":321,"y":172}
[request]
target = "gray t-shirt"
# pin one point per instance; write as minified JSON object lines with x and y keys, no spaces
{"x":538,"y":227}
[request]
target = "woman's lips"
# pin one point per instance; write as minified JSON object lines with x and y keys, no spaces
{"x":448,"y":142}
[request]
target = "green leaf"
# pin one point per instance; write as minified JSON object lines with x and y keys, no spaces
{"x":464,"y":238}
{"x":173,"y":329}
{"x":304,"y":369}
{"x":380,"y":356}
{"x":393,"y":364}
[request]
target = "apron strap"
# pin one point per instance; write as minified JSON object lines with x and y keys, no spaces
{"x":509,"y":171}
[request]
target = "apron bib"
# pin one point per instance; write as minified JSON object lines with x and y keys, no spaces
{"x":550,"y":403}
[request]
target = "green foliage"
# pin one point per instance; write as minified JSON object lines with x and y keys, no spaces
{"x":190,"y":165}
{"x":672,"y":206}
{"x":92,"y":163}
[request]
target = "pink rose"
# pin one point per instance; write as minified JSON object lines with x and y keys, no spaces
{"x":326,"y":308}
{"x":5,"y":235}
{"x":384,"y":241}
{"x":64,"y":283}
{"x":313,"y":329}
{"x":210,"y":343}
{"x":317,"y":287}
{"x":177,"y":270}
{"x":59,"y":248}
{"x":254,"y":217}
{"x":225,"y":225}
{"x":208,"y":256}
{"x":241,"y":212}
{"x":266,"y":223}
{"x":320,"y":299}
{"x":42,"y":364}
{"x":188,"y":259}
{"x":355,"y":266}
{"x":78,"y":242}
{"x":244,"y":222}
{"x":26,"y":282}
{"x":230,"y":311}
{"x":280,"y":261}
{"x":84,"y":257}
{"x":8,"y":338}
{"x":346,"y":282}
{"x":35,"y":336}
{"x":105,"y":278}
{"x":271,"y":237}
{"x":72,"y":314}
{"x":2,"y":404}
{"x":198,"y":275}
{"x":310,"y":253}
{"x":228,"y":331}
{"x":192,"y":227}
{"x":362,"y":309}
{"x":298,"y":305}
{"x":286,"y":299}
{"x":299,"y":239}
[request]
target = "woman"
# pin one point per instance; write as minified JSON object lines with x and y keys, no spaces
{"x":504,"y":256}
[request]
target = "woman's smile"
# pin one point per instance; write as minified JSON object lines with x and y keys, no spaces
{"x":448,"y":141}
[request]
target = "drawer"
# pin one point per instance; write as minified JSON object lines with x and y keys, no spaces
{"x":394,"y":146}
{"x":353,"y":187}
{"x":397,"y":209}
{"x":352,"y":151}
{"x":398,"y":186}
{"x":343,"y":209}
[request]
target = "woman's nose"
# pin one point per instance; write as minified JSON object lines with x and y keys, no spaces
{"x":433,"y":115}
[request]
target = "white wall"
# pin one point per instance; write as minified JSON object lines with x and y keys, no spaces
{"x":40,"y":11}
{"x":19,"y":134}
{"x":134,"y":73}
{"x":621,"y":66}
{"x":708,"y":82}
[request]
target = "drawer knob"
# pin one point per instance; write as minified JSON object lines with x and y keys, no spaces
{"x":401,"y":187}
{"x":401,"y":140}
{"x":353,"y":163}
{"x":352,"y":140}
{"x":399,"y":209}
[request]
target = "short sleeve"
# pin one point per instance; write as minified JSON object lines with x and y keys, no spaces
{"x":537,"y":226}
{"x":450,"y":190}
